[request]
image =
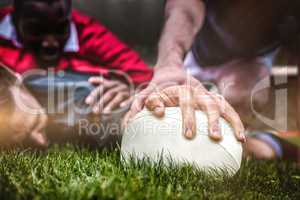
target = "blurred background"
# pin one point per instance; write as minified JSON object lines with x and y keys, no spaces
{"x":136,"y":22}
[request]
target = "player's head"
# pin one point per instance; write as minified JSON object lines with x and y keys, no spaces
{"x":43,"y":26}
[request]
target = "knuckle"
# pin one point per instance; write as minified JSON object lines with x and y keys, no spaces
{"x":148,"y":102}
{"x":204,"y":98}
{"x":205,"y":107}
{"x":152,"y":99}
{"x":210,"y":107}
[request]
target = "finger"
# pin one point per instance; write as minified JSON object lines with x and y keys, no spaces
{"x":105,"y":85}
{"x":139,"y":101}
{"x":171,"y":95}
{"x":43,"y":120}
{"x":94,"y":95}
{"x":212,"y":111}
{"x":115,"y":103}
{"x":107,"y":96}
{"x":39,"y":139}
{"x":108,"y":84}
{"x":100,"y":80}
{"x":126,"y":119}
{"x":231,"y":116}
{"x":135,"y":108}
{"x":37,"y":136}
{"x":155,"y":104}
{"x":126,"y":102}
{"x":188,"y":112}
{"x":168,"y":97}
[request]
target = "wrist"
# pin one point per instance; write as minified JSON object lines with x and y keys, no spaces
{"x":169,"y":68}
{"x":172,"y":57}
{"x":169,"y":63}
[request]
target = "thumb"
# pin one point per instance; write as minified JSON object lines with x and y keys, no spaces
{"x":39,"y":139}
{"x":136,"y":106}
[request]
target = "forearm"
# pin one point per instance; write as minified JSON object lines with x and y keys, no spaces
{"x":183,"y":21}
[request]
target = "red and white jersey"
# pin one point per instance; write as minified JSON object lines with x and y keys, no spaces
{"x":90,"y":49}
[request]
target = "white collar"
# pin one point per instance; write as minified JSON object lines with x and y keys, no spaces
{"x":8,"y":31}
{"x":72,"y":44}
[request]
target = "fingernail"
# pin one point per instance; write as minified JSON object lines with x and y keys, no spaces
{"x":159,"y":111}
{"x":215,"y":135}
{"x":189,"y":134}
{"x":243,"y":138}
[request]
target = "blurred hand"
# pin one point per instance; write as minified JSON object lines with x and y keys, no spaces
{"x":172,"y":87}
{"x":23,"y":120}
{"x":108,"y":95}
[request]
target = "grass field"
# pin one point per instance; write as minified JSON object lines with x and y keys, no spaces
{"x":72,"y":173}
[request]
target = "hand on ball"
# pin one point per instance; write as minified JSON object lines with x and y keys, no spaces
{"x":190,"y":97}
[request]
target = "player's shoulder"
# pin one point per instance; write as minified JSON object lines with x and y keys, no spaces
{"x":81,"y":19}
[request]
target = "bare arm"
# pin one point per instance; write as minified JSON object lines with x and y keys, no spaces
{"x":184,"y":18}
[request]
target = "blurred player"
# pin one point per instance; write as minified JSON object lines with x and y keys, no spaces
{"x":49,"y":34}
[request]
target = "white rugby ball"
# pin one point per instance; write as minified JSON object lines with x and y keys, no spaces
{"x":148,"y":137}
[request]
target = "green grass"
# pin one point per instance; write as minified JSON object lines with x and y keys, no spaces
{"x":72,"y":173}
